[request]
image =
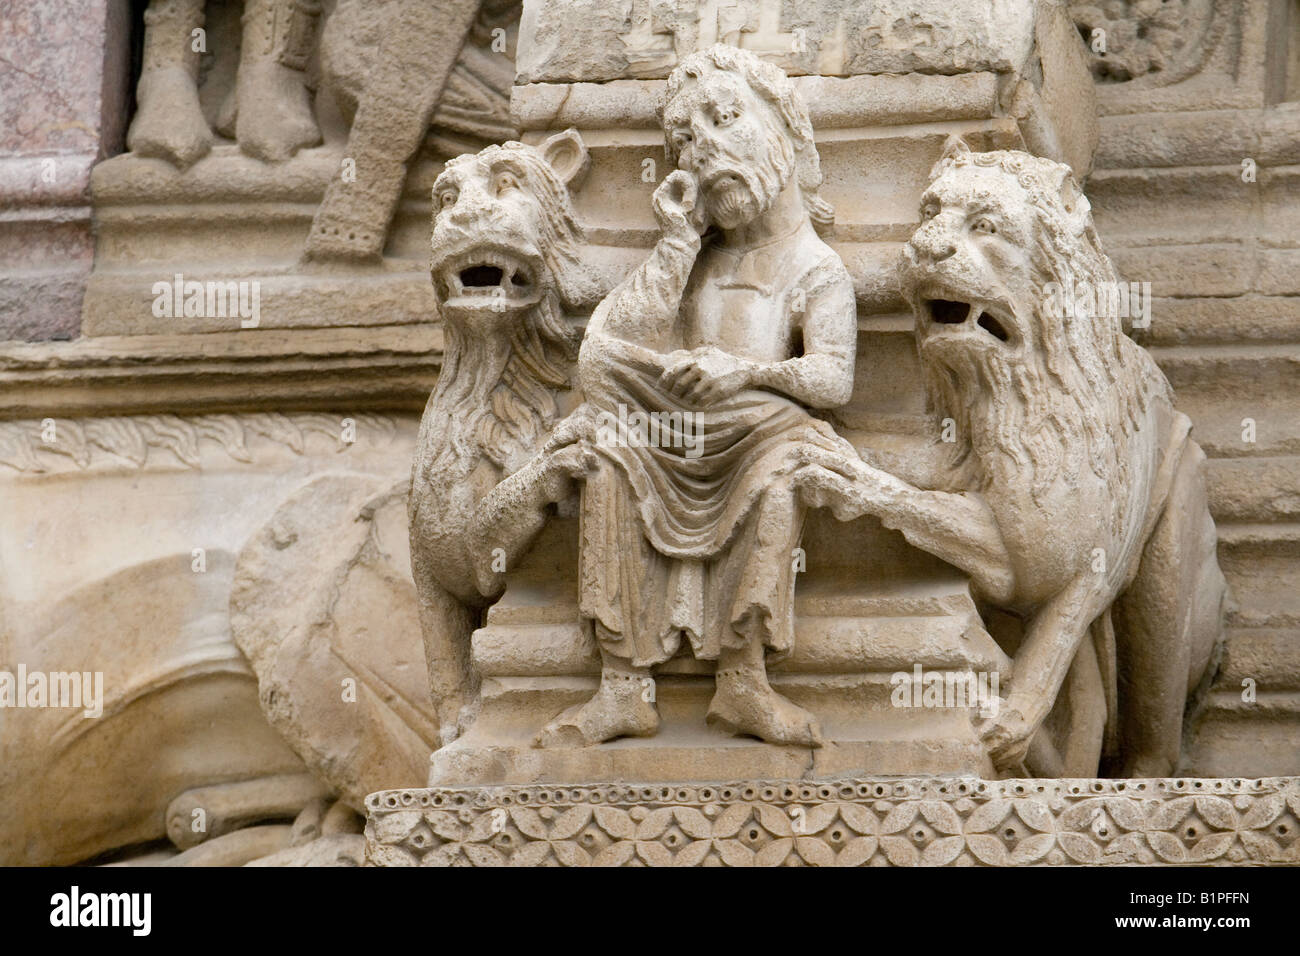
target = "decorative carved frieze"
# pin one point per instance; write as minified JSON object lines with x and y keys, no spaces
{"x":62,"y":444}
{"x":850,"y":822}
{"x":1133,"y":39}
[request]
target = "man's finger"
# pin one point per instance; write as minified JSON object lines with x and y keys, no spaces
{"x":708,"y":396}
{"x":687,"y":382}
{"x":668,"y":380}
{"x":700,"y":389}
{"x":838,"y":464}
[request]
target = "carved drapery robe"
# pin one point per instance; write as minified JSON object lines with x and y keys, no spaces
{"x":699,"y":539}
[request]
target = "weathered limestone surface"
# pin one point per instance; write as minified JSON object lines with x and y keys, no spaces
{"x":592,"y":41}
{"x":318,"y":186}
{"x":180,"y":699}
{"x":189,"y":511}
{"x":1196,"y":192}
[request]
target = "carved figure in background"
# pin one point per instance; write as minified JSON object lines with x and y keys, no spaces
{"x":1074,"y":496}
{"x":269,"y":110}
{"x":746,"y":328}
{"x":396,"y":68}
{"x":506,"y":268}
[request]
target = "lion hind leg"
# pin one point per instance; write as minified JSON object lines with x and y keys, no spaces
{"x":1168,"y":624}
{"x":448,"y":626}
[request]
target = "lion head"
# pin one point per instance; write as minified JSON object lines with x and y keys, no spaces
{"x":506,"y":267}
{"x":1033,"y":389}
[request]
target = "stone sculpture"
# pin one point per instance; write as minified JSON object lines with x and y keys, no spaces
{"x":1074,"y":496}
{"x":746,"y":329}
{"x":506,"y":266}
{"x":213,"y":645}
{"x":395,"y":67}
{"x":268,"y":111}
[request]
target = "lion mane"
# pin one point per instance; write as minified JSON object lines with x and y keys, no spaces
{"x":1087,"y":391}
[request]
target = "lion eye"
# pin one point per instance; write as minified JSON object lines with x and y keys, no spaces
{"x":725,"y":115}
{"x":985,"y":226}
{"x":447,"y":198}
{"x":929,"y":211}
{"x":681,"y":140}
{"x":506,"y":181}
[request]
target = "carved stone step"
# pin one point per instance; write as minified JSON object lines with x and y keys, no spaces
{"x":865,"y":733}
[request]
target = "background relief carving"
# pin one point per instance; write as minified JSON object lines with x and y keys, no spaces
{"x":368,"y":552}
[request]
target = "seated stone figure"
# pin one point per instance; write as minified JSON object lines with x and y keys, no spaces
{"x":737,"y":333}
{"x":1075,"y":498}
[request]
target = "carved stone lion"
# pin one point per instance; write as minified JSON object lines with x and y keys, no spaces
{"x":1073,"y":496}
{"x":505,"y":268}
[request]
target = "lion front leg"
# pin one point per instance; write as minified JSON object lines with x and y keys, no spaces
{"x":1051,"y":642}
{"x":513,"y":513}
{"x":958,"y":528}
{"x":447,"y":625}
{"x":1168,"y":624}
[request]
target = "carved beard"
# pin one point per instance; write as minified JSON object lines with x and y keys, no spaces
{"x":497,"y":394}
{"x":754,"y":186}
{"x":1012,"y":416}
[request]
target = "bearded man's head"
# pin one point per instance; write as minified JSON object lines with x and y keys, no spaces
{"x":736,"y":124}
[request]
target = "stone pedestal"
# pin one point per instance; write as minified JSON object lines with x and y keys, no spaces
{"x":864,"y":613}
{"x":392,"y":99}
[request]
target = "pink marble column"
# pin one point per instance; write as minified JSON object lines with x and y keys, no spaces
{"x":64,"y":68}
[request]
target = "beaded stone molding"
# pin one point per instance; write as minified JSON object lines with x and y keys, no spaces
{"x":880,"y":822}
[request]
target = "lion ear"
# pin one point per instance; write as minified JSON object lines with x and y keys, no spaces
{"x":1077,"y":208}
{"x":955,"y":148}
{"x":566,"y":153}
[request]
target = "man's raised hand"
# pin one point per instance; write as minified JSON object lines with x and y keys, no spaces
{"x":675,"y":208}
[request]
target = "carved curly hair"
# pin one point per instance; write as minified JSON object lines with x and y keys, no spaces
{"x":770,"y":83}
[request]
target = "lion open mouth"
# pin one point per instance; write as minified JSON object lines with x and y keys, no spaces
{"x":953,"y":312}
{"x":487,"y":278}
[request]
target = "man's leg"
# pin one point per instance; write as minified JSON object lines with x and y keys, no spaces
{"x":623,"y":706}
{"x":273,"y":106}
{"x":745,"y":703}
{"x":169,"y":123}
{"x":759,"y":576}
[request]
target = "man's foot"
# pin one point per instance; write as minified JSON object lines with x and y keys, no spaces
{"x":274,"y":119}
{"x":619,"y":709}
{"x":745,"y":703}
{"x":169,"y":123}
